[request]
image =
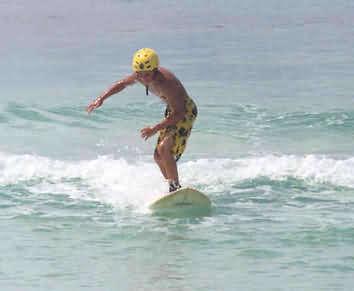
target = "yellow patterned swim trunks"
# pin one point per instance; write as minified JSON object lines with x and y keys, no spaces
{"x":181,"y":130}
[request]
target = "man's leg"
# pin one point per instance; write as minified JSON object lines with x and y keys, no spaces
{"x":168,"y":163}
{"x":168,"y":160}
{"x":159,"y":162}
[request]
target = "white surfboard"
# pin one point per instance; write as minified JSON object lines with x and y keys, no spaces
{"x":181,"y":199}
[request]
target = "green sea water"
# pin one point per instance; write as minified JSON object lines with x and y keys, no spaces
{"x":272,"y":146}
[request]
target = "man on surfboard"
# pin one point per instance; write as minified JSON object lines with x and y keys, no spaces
{"x":180,"y":112}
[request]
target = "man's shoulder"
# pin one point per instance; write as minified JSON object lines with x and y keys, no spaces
{"x":167,"y":74}
{"x":130,"y":79}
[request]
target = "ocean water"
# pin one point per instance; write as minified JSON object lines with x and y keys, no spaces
{"x":272,"y":146}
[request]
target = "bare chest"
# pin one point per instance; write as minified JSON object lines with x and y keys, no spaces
{"x":156,"y":90}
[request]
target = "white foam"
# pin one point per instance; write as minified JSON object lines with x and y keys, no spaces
{"x":105,"y":179}
{"x":135,"y":184}
{"x":311,"y":168}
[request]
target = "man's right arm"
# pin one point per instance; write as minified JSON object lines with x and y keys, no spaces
{"x":114,"y":89}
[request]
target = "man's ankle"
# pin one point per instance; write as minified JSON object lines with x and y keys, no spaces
{"x":173,"y":185}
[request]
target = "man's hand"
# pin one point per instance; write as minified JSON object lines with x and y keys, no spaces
{"x":148,"y":132}
{"x":95,"y":104}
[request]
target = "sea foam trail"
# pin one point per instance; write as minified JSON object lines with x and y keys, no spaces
{"x":122,"y":183}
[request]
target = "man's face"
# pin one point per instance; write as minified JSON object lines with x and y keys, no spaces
{"x":145,"y":77}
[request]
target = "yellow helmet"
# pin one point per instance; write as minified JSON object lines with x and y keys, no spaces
{"x":145,"y":59}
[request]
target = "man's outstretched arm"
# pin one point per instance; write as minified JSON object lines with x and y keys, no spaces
{"x":114,"y":89}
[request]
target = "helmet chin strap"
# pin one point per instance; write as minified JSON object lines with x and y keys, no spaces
{"x":153,"y":77}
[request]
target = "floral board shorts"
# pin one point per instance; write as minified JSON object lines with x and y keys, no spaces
{"x":181,"y":130}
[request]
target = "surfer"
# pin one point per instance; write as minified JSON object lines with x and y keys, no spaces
{"x":180,"y":112}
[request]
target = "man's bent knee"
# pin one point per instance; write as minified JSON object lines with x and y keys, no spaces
{"x":164,"y":148}
{"x":157,"y":156}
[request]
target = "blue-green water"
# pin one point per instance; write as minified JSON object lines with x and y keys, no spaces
{"x":272,"y":146}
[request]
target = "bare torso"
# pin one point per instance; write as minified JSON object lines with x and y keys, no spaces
{"x":166,"y":86}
